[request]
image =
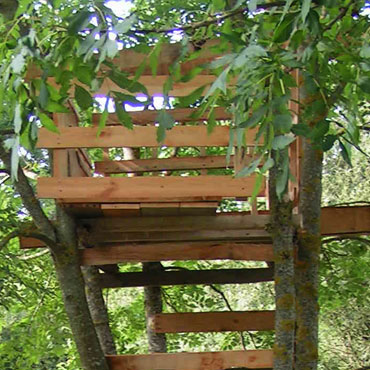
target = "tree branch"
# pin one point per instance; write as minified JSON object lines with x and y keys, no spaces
{"x":341,"y":15}
{"x":213,"y":18}
{"x":29,"y":199}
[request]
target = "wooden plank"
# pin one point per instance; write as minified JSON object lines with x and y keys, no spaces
{"x":154,"y":189}
{"x":152,"y":252}
{"x":147,"y":117}
{"x":98,"y":238}
{"x":185,"y":277}
{"x":198,"y":322}
{"x":164,"y":164}
{"x":345,"y":220}
{"x":140,"y":136}
{"x":251,"y":359}
{"x":225,"y":221}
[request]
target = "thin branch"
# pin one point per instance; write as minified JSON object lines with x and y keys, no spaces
{"x":341,"y":15}
{"x":228,"y":305}
{"x":34,"y":255}
{"x":26,"y":233}
{"x":213,"y":18}
{"x":29,"y":199}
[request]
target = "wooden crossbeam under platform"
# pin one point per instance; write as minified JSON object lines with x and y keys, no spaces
{"x":185,"y":277}
{"x":252,"y":359}
{"x":125,"y":189}
{"x":140,"y":136}
{"x":152,"y":252}
{"x":197,"y":322}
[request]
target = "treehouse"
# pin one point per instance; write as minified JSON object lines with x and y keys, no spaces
{"x":167,"y":206}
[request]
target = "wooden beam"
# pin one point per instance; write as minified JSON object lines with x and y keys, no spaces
{"x":164,"y":164}
{"x":150,"y":189}
{"x":252,"y":359}
{"x":345,"y":220}
{"x":147,"y":117}
{"x":140,"y":136}
{"x":220,"y":221}
{"x":198,"y":322}
{"x":99,"y":238}
{"x":152,"y":252}
{"x":185,"y":277}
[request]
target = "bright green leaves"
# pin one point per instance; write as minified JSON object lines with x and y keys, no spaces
{"x":219,"y":84}
{"x":166,"y":122}
{"x":193,"y":97}
{"x":79,"y":21}
{"x":306,"y":4}
{"x":123,"y":116}
{"x":48,"y":123}
{"x":281,"y":141}
{"x":125,"y":25}
{"x":83,"y":97}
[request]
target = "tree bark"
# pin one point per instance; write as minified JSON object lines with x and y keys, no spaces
{"x":282,"y":232}
{"x":98,"y":309}
{"x":309,"y":237}
{"x":153,"y":305}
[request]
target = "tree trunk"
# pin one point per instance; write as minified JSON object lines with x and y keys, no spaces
{"x":98,"y":309}
{"x":153,"y":305}
{"x":307,"y":264}
{"x":72,"y":284}
{"x":309,"y":237}
{"x":282,"y":232}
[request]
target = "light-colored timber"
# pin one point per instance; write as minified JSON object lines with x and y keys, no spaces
{"x":152,"y":252}
{"x":185,"y":277}
{"x":148,"y":117}
{"x":197,"y":322}
{"x":125,"y":189}
{"x":252,"y":359}
{"x":165,"y":164}
{"x":140,"y":136}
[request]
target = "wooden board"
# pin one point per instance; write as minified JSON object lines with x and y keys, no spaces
{"x":100,"y":238}
{"x":252,"y":359}
{"x":345,"y":220}
{"x":197,"y":322}
{"x":176,"y":252}
{"x":152,"y":189}
{"x":165,"y":164}
{"x":185,"y":277}
{"x":147,"y":117}
{"x":140,"y":136}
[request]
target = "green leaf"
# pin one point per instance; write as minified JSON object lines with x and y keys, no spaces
{"x":78,"y":22}
{"x":166,"y":122}
{"x":218,"y":5}
{"x":186,"y":101}
{"x":267,"y":165}
{"x":305,"y":9}
{"x":230,"y":147}
{"x":283,"y":174}
{"x":14,"y":159}
{"x":282,"y":141}
{"x":48,"y":123}
{"x":103,"y":117}
{"x":18,"y":118}
{"x":365,"y":51}
{"x":345,"y":152}
{"x":246,"y":171}
{"x":123,"y":116}
{"x":284,"y":30}
{"x":255,"y":118}
{"x":257,"y":186}
{"x":319,"y":130}
{"x":282,"y":123}
{"x":84,"y":74}
{"x":154,"y":57}
{"x":220,"y":83}
{"x":125,"y":26}
{"x":44,"y":95}
{"x":211,"y":123}
{"x":328,"y":142}
{"x":301,"y":129}
{"x":111,"y":48}
{"x":53,"y":106}
{"x":252,"y":5}
{"x":364,"y":84}
{"x":83,"y":97}
{"x":18,"y":63}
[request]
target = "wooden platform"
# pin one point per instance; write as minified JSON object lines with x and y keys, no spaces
{"x":258,"y":359}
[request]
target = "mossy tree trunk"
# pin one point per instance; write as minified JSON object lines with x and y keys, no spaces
{"x":282,"y":232}
{"x":309,"y":237}
{"x":98,"y":309}
{"x":153,"y":305}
